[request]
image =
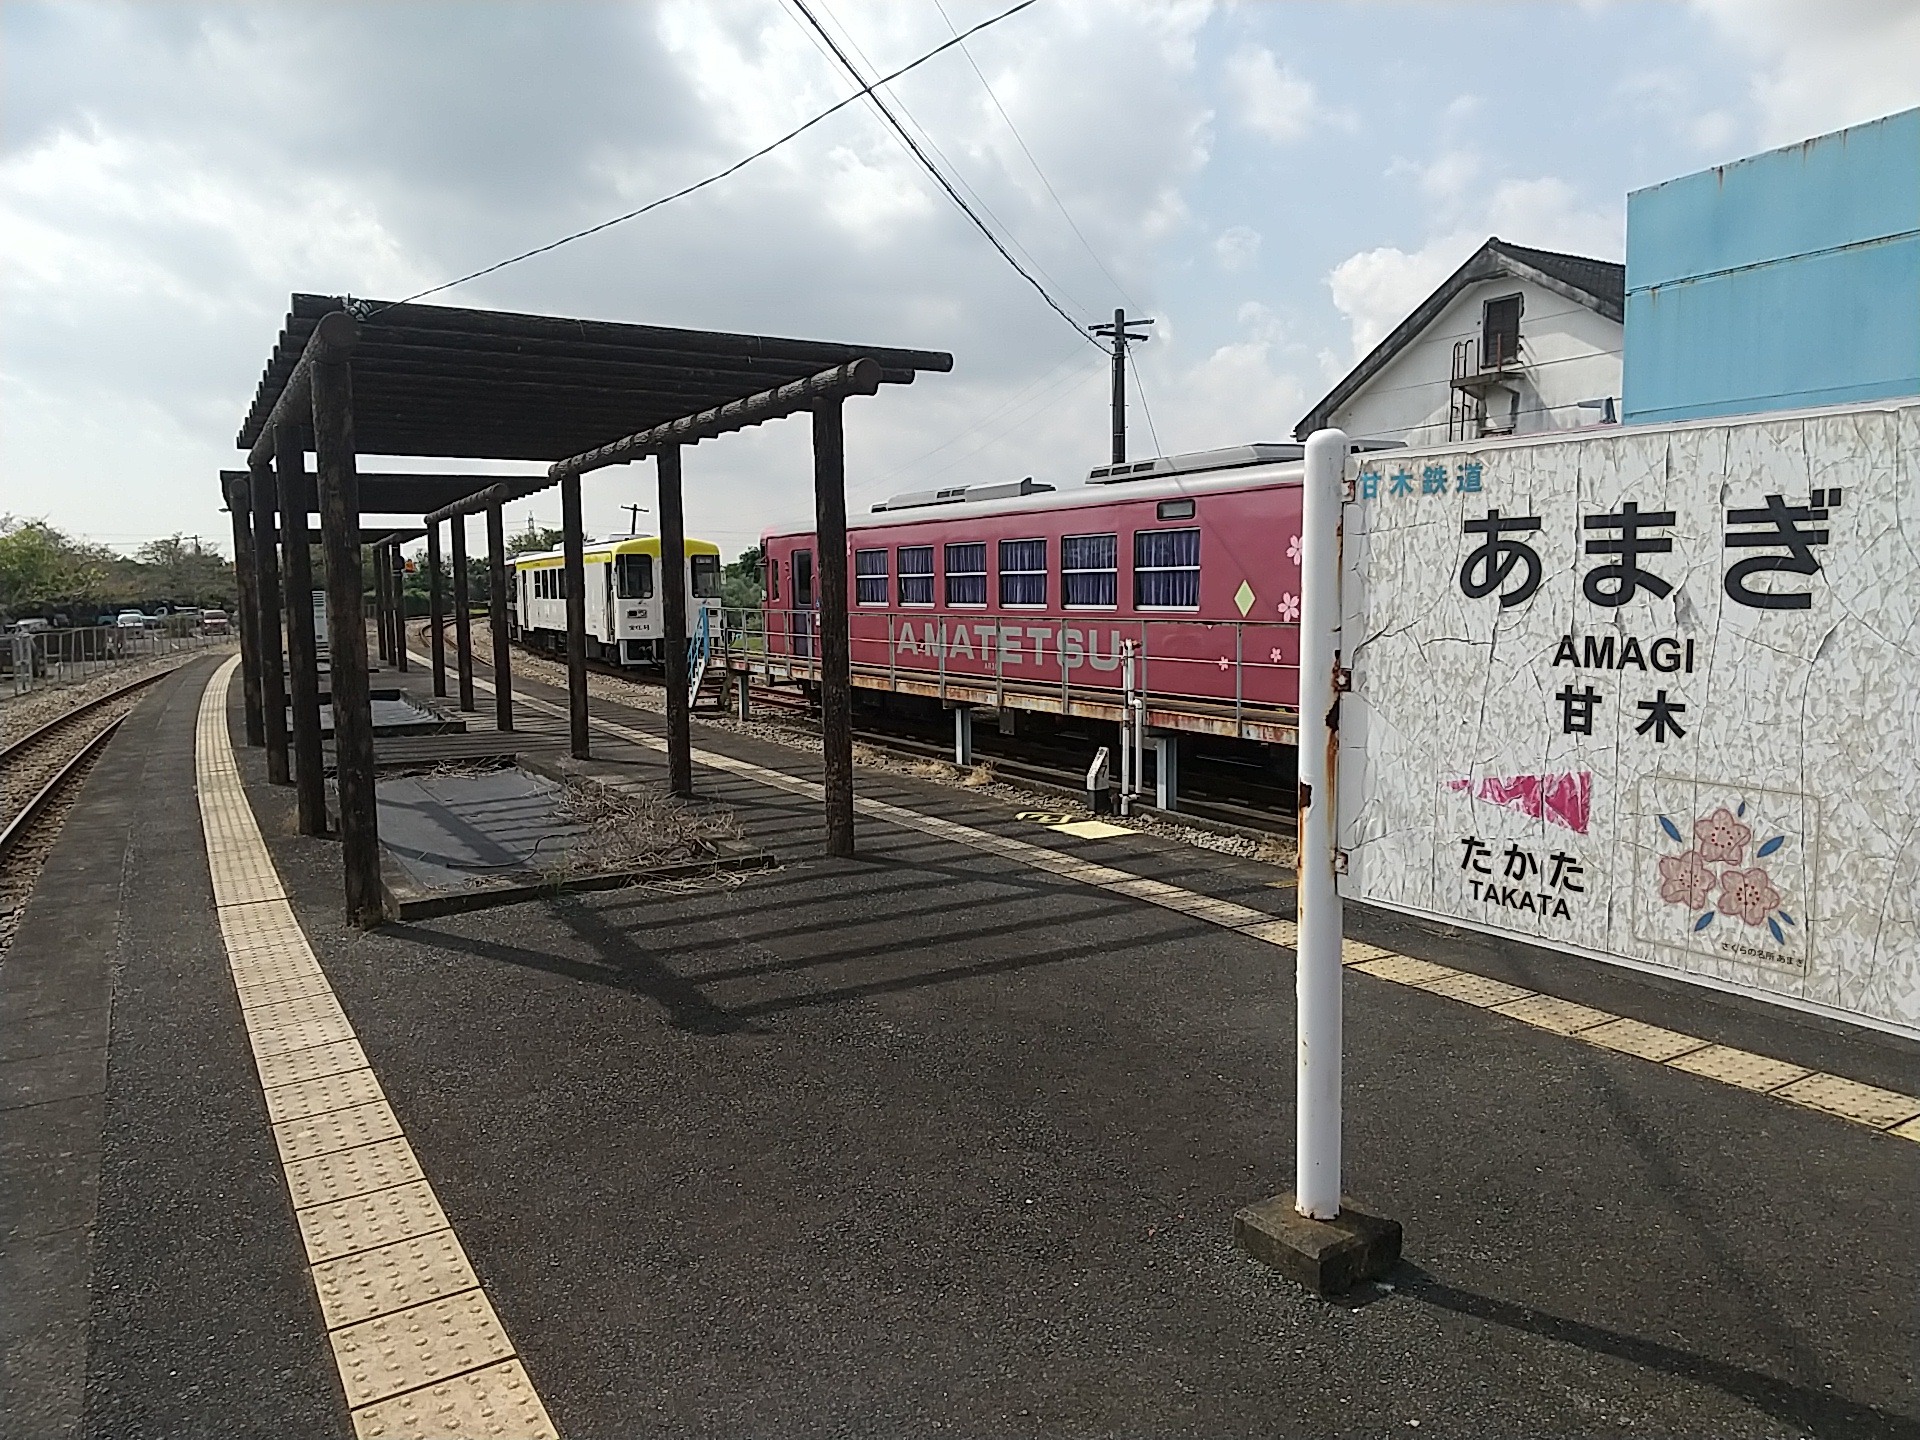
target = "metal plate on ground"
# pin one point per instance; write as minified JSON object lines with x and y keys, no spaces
{"x":496,"y":1402}
{"x":410,"y":1348}
{"x":1563,"y":1017}
{"x":1636,"y":1037}
{"x":321,"y":1094}
{"x":310,"y":1064}
{"x":332,"y":1130}
{"x":409,"y":1272}
{"x":351,"y":1172}
{"x":1849,"y":1099}
{"x":364,"y":1222}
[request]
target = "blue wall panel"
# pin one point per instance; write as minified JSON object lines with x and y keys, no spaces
{"x":1786,"y":280}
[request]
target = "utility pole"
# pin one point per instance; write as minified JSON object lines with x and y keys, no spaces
{"x":1120,"y":333}
{"x":633,"y":518}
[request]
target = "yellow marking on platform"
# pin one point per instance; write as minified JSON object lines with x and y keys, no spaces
{"x":409,"y":1348}
{"x":1649,"y":1042}
{"x":333,"y":1130}
{"x":370,"y":1283}
{"x":1862,"y":1104}
{"x":493,"y":1403}
{"x":1563,"y":1017}
{"x":317,"y":1096}
{"x":1739,"y":1067}
{"x":1092,"y":829}
{"x":418,"y":1346}
{"x":1850,"y":1100}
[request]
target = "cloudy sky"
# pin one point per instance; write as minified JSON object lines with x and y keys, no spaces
{"x":1276,"y":183}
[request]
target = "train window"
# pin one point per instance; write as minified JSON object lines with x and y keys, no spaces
{"x":1023,"y":572}
{"x":967,"y":573}
{"x":1166,"y":569}
{"x":773,"y":578}
{"x":1174,"y":510}
{"x":1089,"y":573}
{"x":635,"y":577}
{"x":706,"y":576}
{"x":870,"y":577}
{"x":916,"y":574}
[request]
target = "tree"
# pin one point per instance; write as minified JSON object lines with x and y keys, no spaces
{"x":184,"y":572}
{"x":40,"y":567}
{"x":533,"y":538}
{"x":740,"y":585}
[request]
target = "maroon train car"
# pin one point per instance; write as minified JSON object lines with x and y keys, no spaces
{"x":1195,"y":559}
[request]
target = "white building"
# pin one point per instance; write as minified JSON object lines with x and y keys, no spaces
{"x":1514,"y":342}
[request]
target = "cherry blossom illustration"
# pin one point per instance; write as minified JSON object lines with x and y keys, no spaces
{"x":1719,"y":859}
{"x":1685,"y":879}
{"x":1294,"y":550}
{"x":1289,"y":607}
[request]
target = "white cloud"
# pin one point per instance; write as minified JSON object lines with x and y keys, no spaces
{"x":1820,"y":65}
{"x":1269,"y":98}
{"x":1236,"y":247}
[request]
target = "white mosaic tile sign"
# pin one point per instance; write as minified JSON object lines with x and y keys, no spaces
{"x":1651,"y":694}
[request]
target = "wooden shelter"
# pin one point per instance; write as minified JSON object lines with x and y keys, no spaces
{"x":354,"y":376}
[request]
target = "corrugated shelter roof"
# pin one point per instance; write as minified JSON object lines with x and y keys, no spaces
{"x":445,"y":381}
{"x":1600,"y":285}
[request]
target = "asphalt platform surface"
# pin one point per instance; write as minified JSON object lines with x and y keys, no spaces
{"x":926,"y":1142}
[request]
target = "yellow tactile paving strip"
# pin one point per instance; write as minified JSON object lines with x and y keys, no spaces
{"x":1884,"y":1110}
{"x":419,"y":1348}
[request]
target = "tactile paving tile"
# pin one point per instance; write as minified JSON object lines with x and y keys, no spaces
{"x":1849,"y":1099}
{"x":289,"y":1067}
{"x":1092,"y":830}
{"x":269,"y":1040}
{"x":333,"y":1130}
{"x":363,"y":1222}
{"x":1563,"y":1017}
{"x":1635,"y":1037}
{"x":321,"y":1094}
{"x":1476,"y":989}
{"x":297,"y":986}
{"x":496,"y":1402}
{"x":393,"y":1277}
{"x":1214,"y":911}
{"x":1739,"y":1067}
{"x":410,"y":1348}
{"x":1908,"y":1131}
{"x":1275,"y":932}
{"x":359,"y":1171}
{"x":1152,"y":891}
{"x":1405,"y":970}
{"x":303,"y":1011}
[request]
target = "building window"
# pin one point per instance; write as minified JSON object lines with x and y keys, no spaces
{"x":1500,"y":332}
{"x":1089,"y":572}
{"x":1023,"y":572}
{"x":634,"y":577}
{"x":706,"y":577}
{"x":967,"y":573}
{"x":1166,"y":569}
{"x":916,"y":574}
{"x":870,"y":577}
{"x":1174,"y":510}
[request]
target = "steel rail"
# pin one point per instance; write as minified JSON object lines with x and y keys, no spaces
{"x":32,"y":738}
{"x":17,"y":826}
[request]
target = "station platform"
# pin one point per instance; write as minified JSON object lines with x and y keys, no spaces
{"x":944,"y":1138}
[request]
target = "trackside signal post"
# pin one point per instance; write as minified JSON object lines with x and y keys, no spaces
{"x":1312,"y":1234}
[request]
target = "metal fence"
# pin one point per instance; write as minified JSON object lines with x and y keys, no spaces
{"x":42,"y":659}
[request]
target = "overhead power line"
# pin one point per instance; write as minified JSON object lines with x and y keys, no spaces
{"x":866,"y":89}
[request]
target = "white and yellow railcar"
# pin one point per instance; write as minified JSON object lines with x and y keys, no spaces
{"x":626,"y":614}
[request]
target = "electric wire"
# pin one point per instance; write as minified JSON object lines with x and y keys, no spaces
{"x":865,"y":90}
{"x":1141,"y":391}
{"x":918,"y":154}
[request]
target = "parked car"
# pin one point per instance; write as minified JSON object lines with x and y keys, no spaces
{"x":131,"y":620}
{"x":214,"y":622}
{"x":33,"y":624}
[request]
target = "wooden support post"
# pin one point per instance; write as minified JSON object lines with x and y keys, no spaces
{"x":574,"y":572}
{"x":397,"y":598}
{"x":240,"y":509}
{"x":339,"y":497}
{"x":379,"y":563}
{"x":303,"y":673}
{"x":436,"y":612}
{"x":673,"y":583}
{"x":462,"y":617}
{"x":497,"y":617}
{"x":266,"y":580}
{"x":836,"y":670}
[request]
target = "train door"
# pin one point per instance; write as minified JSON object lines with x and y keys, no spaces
{"x":800,"y":618}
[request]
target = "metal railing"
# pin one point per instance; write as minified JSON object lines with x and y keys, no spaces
{"x":44,"y":659}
